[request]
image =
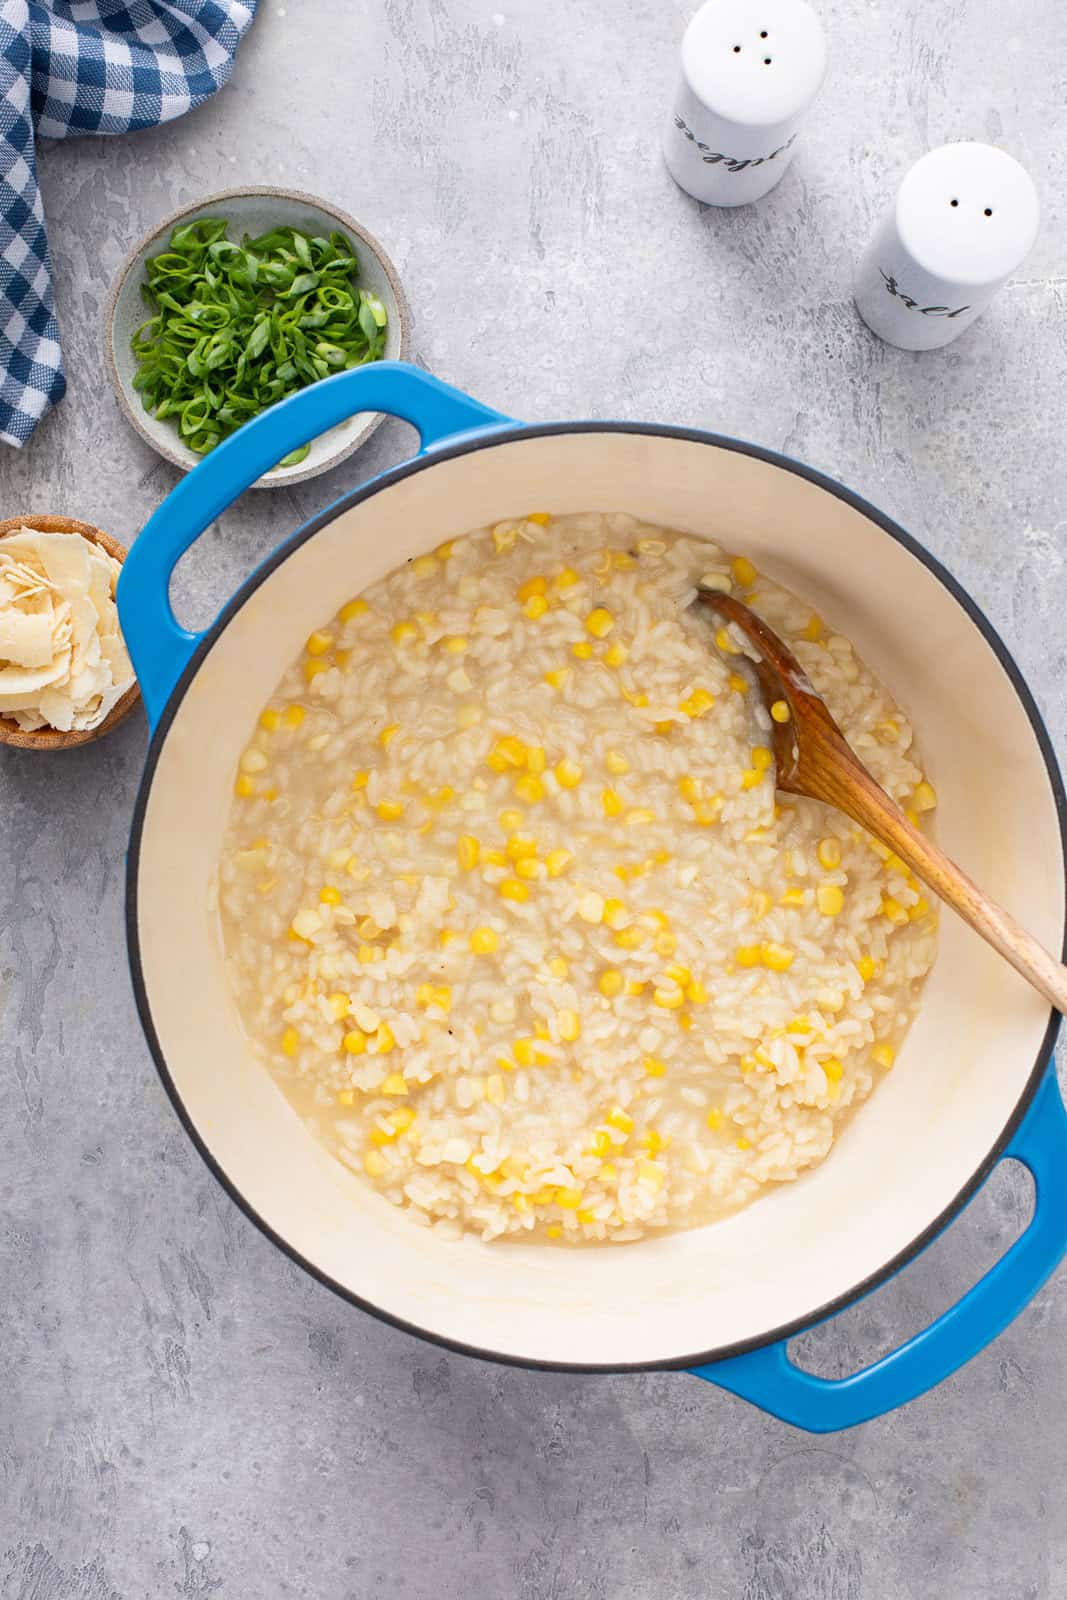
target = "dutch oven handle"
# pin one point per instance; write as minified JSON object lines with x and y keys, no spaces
{"x":769,"y":1379}
{"x":159,"y":647}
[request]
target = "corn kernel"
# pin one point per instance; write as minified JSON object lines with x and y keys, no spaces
{"x":375,"y":1164}
{"x":542,"y":518}
{"x":568,"y":774}
{"x":529,"y":788}
{"x":329,"y":895}
{"x":614,"y":913}
{"x":554,"y":1232}
{"x":599,"y":622}
{"x":591,"y":907}
{"x":244,"y":787}
{"x":778,"y":957}
{"x":557,"y":862}
{"x":832,"y":1068}
{"x":794,"y":897}
{"x":558,"y":967}
{"x":697,"y":704}
{"x":761,"y":758}
{"x":737,"y":683}
{"x":446,"y":937}
{"x":532,"y":586}
{"x":569,"y":1025}
{"x":813,"y":628}
{"x":270,"y":720}
{"x":865,"y":966}
{"x":468,"y":716}
{"x":531,"y":869}
{"x":714,"y":1119}
{"x":620,"y":1119}
{"x":616,"y":654}
{"x":404,"y":632}
{"x":654,"y":1068}
{"x":424,"y":566}
{"x":743,"y":1143}
{"x":354,"y":608}
{"x":780,"y":711}
{"x":665,"y":943}
{"x":293,"y":716}
{"x":512,"y":889}
{"x":535,"y":607}
{"x":456,"y":644}
{"x":390,"y":810}
{"x":925,"y":796}
{"x":610,"y":802}
{"x":744,"y":572}
{"x":892,"y":910}
{"x":689,"y":788}
{"x":583,"y":650}
{"x":610,"y":983}
{"x":355,"y":1042}
{"x":630,"y":938}
{"x":508,"y":752}
{"x":650,"y":1173}
{"x":569,"y":1199}
{"x":696,"y":993}
{"x":668,"y":999}
{"x":616,"y":763}
{"x":290,"y":1042}
{"x":483,"y":941}
{"x":829,"y":854}
{"x":760,"y":903}
{"x":725,"y":643}
{"x":919,"y":909}
{"x":468,"y":851}
{"x":557,"y":677}
{"x":319,"y":643}
{"x":607,"y":1172}
{"x":830,"y":899}
{"x":360,"y":779}
{"x":751,"y":778}
{"x":884,"y":1054}
{"x":634,"y":698}
{"x":567,"y":578}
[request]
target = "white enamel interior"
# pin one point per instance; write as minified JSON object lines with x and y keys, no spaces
{"x":908,"y":1152}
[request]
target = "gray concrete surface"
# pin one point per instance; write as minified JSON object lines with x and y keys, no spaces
{"x":181,"y":1411}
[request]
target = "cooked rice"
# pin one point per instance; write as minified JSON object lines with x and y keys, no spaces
{"x":513,"y":916}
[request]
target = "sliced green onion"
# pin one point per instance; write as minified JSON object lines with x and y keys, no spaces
{"x":237,"y":327}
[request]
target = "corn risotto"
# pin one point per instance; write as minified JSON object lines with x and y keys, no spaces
{"x":511,"y":910}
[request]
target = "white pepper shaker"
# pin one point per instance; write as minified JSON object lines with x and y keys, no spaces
{"x":750,"y":70}
{"x":964,"y":220}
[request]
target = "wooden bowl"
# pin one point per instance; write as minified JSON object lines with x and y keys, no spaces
{"x":54,"y":738}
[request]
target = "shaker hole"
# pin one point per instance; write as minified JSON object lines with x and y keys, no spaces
{"x":988,"y":211}
{"x":766,"y":61}
{"x":953,"y":202}
{"x":737,"y":49}
{"x":763,"y":35}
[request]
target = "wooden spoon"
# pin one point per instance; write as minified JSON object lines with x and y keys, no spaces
{"x":814,"y":759}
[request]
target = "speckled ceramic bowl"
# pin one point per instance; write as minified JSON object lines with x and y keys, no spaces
{"x":251,"y":211}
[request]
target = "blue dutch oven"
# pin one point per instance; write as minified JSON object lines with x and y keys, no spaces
{"x":973,"y":1084}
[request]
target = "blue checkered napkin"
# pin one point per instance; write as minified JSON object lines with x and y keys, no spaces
{"x":69,"y":67}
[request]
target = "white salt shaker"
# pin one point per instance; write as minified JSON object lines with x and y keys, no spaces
{"x":750,"y":70}
{"x":964,"y":220}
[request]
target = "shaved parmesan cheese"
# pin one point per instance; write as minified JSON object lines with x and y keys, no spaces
{"x":63,"y":663}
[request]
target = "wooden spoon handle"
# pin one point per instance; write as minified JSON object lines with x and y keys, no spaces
{"x":869,"y":805}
